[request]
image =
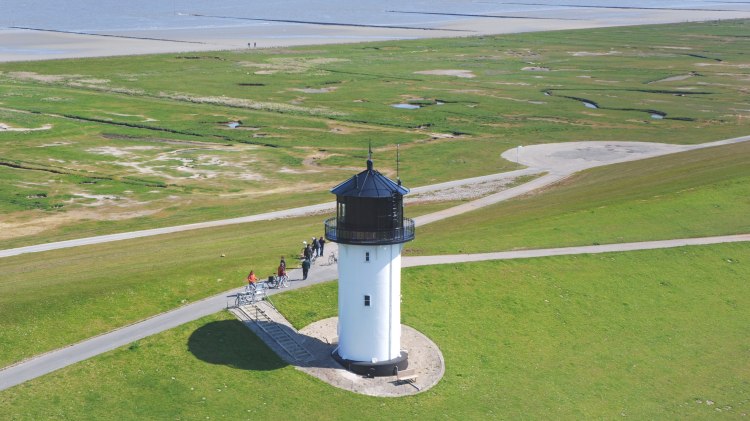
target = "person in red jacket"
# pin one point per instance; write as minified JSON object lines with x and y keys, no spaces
{"x":251,"y":279}
{"x":282,"y":267}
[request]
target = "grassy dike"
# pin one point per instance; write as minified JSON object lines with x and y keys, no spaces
{"x":697,"y":193}
{"x":652,"y":334}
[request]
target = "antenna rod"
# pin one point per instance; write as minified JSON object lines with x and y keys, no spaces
{"x":398,"y":178}
{"x":397,"y":160}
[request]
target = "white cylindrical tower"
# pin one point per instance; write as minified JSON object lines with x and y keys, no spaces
{"x":370,"y":229}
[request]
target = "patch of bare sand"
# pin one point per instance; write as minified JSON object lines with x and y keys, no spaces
{"x":291,"y":65}
{"x":675,"y":78}
{"x":225,"y":163}
{"x":340,"y":129}
{"x":22,"y":225}
{"x":250,"y":104}
{"x":463,"y":192}
{"x":316,"y":90}
{"x":448,"y":72}
{"x":535,"y":69}
{"x":40,"y":78}
{"x":593,"y":54}
{"x":672,"y":48}
{"x":8,"y":128}
{"x":145,"y":119}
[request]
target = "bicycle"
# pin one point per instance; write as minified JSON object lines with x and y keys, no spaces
{"x":277,"y":281}
{"x":282,"y":281}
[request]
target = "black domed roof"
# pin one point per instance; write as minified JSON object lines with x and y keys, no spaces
{"x":369,"y":183}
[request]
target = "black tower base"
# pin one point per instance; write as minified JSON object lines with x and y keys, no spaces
{"x":378,"y":369}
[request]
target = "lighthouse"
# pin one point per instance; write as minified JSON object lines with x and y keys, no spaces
{"x":370,"y":230}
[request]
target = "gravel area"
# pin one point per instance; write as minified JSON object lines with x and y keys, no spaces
{"x":463,"y":192}
{"x":424,"y":356}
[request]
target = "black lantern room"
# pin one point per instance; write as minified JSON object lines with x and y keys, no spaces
{"x":369,"y":210}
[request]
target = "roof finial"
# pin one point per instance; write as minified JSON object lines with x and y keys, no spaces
{"x":369,"y":155}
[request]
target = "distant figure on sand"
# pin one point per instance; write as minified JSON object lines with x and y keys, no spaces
{"x":305,"y":268}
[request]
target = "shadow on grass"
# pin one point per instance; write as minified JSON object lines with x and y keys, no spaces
{"x":230,"y":343}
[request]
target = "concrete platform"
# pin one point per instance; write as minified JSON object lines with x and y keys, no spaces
{"x":424,"y":357}
{"x":319,"y":340}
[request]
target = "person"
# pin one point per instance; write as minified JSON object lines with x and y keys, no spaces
{"x":307,"y":252}
{"x":282,"y":267}
{"x":305,"y":268}
{"x":251,"y":279}
{"x":316,"y":247}
{"x":322,"y":243}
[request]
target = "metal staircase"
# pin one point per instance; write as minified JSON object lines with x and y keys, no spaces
{"x":276,"y":327}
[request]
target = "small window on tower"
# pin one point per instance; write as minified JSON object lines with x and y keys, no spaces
{"x":367,"y":301}
{"x":367,"y":256}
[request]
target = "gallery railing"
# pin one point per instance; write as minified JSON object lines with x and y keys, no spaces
{"x":389,"y":236}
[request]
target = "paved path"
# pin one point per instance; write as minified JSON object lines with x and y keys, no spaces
{"x":604,"y":248}
{"x":55,"y":360}
{"x":560,"y":160}
{"x":63,"y":357}
{"x":286,"y":213}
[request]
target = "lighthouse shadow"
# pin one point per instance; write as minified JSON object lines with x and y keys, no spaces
{"x":228,"y":343}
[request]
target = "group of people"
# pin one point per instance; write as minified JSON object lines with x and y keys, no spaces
{"x":314,"y":248}
{"x":311,"y":251}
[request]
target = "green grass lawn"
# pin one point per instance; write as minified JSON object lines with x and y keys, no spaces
{"x":698,"y":193}
{"x":150,"y":139}
{"x":51,"y":299}
{"x":659,"y":334}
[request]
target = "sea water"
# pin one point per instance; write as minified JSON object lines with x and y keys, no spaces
{"x":110,"y":15}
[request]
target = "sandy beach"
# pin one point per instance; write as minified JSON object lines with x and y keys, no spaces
{"x":17,"y":44}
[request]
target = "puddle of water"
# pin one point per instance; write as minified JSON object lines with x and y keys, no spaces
{"x":406,"y":106}
{"x":589,"y":104}
{"x":233,"y":124}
